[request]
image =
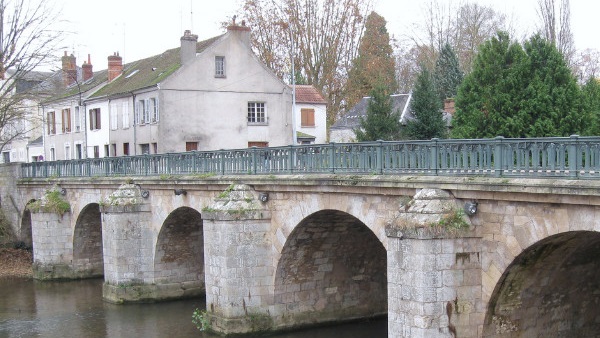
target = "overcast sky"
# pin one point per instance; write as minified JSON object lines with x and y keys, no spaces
{"x":140,"y":28}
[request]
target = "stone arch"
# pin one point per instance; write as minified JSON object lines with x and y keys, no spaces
{"x":179,"y":253}
{"x":87,"y":242}
{"x":25,"y":231}
{"x":551,"y":289}
{"x":332,"y":267}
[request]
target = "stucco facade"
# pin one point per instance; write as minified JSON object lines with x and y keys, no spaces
{"x":204,"y":95}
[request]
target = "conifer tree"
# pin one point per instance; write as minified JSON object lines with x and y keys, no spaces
{"x":380,"y":123}
{"x":516,"y":91}
{"x":426,"y":107}
{"x":447,"y":73}
{"x":374,"y":64}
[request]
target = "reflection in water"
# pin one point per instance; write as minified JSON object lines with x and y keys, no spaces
{"x":75,"y":309}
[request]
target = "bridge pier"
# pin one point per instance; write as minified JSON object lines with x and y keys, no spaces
{"x":239,"y":263}
{"x":129,"y":274}
{"x":52,"y":246}
{"x":434,"y":273}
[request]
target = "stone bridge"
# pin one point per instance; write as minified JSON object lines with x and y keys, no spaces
{"x":279,"y":252}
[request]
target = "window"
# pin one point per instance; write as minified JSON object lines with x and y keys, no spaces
{"x":67,"y":151}
{"x":113,"y":117}
{"x":125,"y":112}
{"x":256,"y":112}
{"x":153,"y":109}
{"x":155,"y":148}
{"x":52,"y":154}
{"x":113,"y":148}
{"x":106,"y":150}
{"x":126,"y":148}
{"x":258,"y":144}
{"x":219,"y":66}
{"x":51,"y":120}
{"x":145,"y":148}
{"x":77,"y":120}
{"x":307,"y":117}
{"x":140,"y":110}
{"x":78,"y":152}
{"x":95,"y":119}
{"x":96,"y":151}
{"x":191,"y":146}
{"x":66,"y":120}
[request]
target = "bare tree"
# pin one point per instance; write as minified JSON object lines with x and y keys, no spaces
{"x":27,"y":42}
{"x":465,"y":26}
{"x":587,"y":65}
{"x":556,"y":26}
{"x":325,"y":35}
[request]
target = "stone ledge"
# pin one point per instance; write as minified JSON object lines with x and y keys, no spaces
{"x":150,"y":293}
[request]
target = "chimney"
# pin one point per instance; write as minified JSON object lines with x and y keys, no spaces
{"x":115,"y":66}
{"x":69,"y":69}
{"x":87,"y":69}
{"x":242,"y":32}
{"x":188,"y":47}
{"x":449,"y":106}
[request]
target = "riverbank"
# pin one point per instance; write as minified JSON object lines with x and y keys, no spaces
{"x":15,"y":263}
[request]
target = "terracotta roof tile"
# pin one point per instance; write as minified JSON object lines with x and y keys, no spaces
{"x":308,"y":94}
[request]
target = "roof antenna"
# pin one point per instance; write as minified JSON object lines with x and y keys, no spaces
{"x":191,"y":15}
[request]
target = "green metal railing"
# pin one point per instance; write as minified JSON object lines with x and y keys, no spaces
{"x":575,"y":157}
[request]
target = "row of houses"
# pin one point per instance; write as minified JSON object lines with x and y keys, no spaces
{"x":203,"y":95}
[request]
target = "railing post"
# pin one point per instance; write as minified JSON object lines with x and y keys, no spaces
{"x":254,"y":163}
{"x":291,"y":156}
{"x":498,"y":158}
{"x":573,"y":156}
{"x":332,"y":158}
{"x":434,"y":156}
{"x":379,"y":160}
{"x":222,"y":158}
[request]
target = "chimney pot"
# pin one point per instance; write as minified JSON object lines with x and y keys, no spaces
{"x":87,"y":69}
{"x":115,"y":66}
{"x":188,"y":47}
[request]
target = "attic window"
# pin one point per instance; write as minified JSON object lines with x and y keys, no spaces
{"x":132,"y":74}
{"x":219,"y":66}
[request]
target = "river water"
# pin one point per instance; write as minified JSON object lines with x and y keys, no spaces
{"x":75,"y":309}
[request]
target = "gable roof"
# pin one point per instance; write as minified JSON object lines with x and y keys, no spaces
{"x":308,"y":94}
{"x":351,"y":120}
{"x":149,"y":71}
{"x":57,"y":91}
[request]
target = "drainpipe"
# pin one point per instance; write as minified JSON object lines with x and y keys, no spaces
{"x":85,"y":126}
{"x":134,"y":126}
{"x":44,"y":132}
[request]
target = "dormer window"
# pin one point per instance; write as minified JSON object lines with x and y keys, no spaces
{"x":219,"y":66}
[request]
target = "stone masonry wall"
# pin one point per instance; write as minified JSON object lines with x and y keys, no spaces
{"x":239,"y":275}
{"x":332,"y":268}
{"x":52,"y":245}
{"x":434,"y":287}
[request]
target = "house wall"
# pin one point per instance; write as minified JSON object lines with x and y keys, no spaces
{"x":98,"y":137}
{"x":60,"y":140}
{"x":199,"y":107}
{"x":342,"y":135}
{"x":319,"y":131}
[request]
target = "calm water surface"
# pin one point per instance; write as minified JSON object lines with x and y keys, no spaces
{"x":75,"y":309}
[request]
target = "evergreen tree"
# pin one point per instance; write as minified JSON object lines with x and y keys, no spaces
{"x":374,"y":64}
{"x":381,"y":123}
{"x":591,"y":102}
{"x":427,"y":110}
{"x":447,"y":73}
{"x":516,"y":91}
